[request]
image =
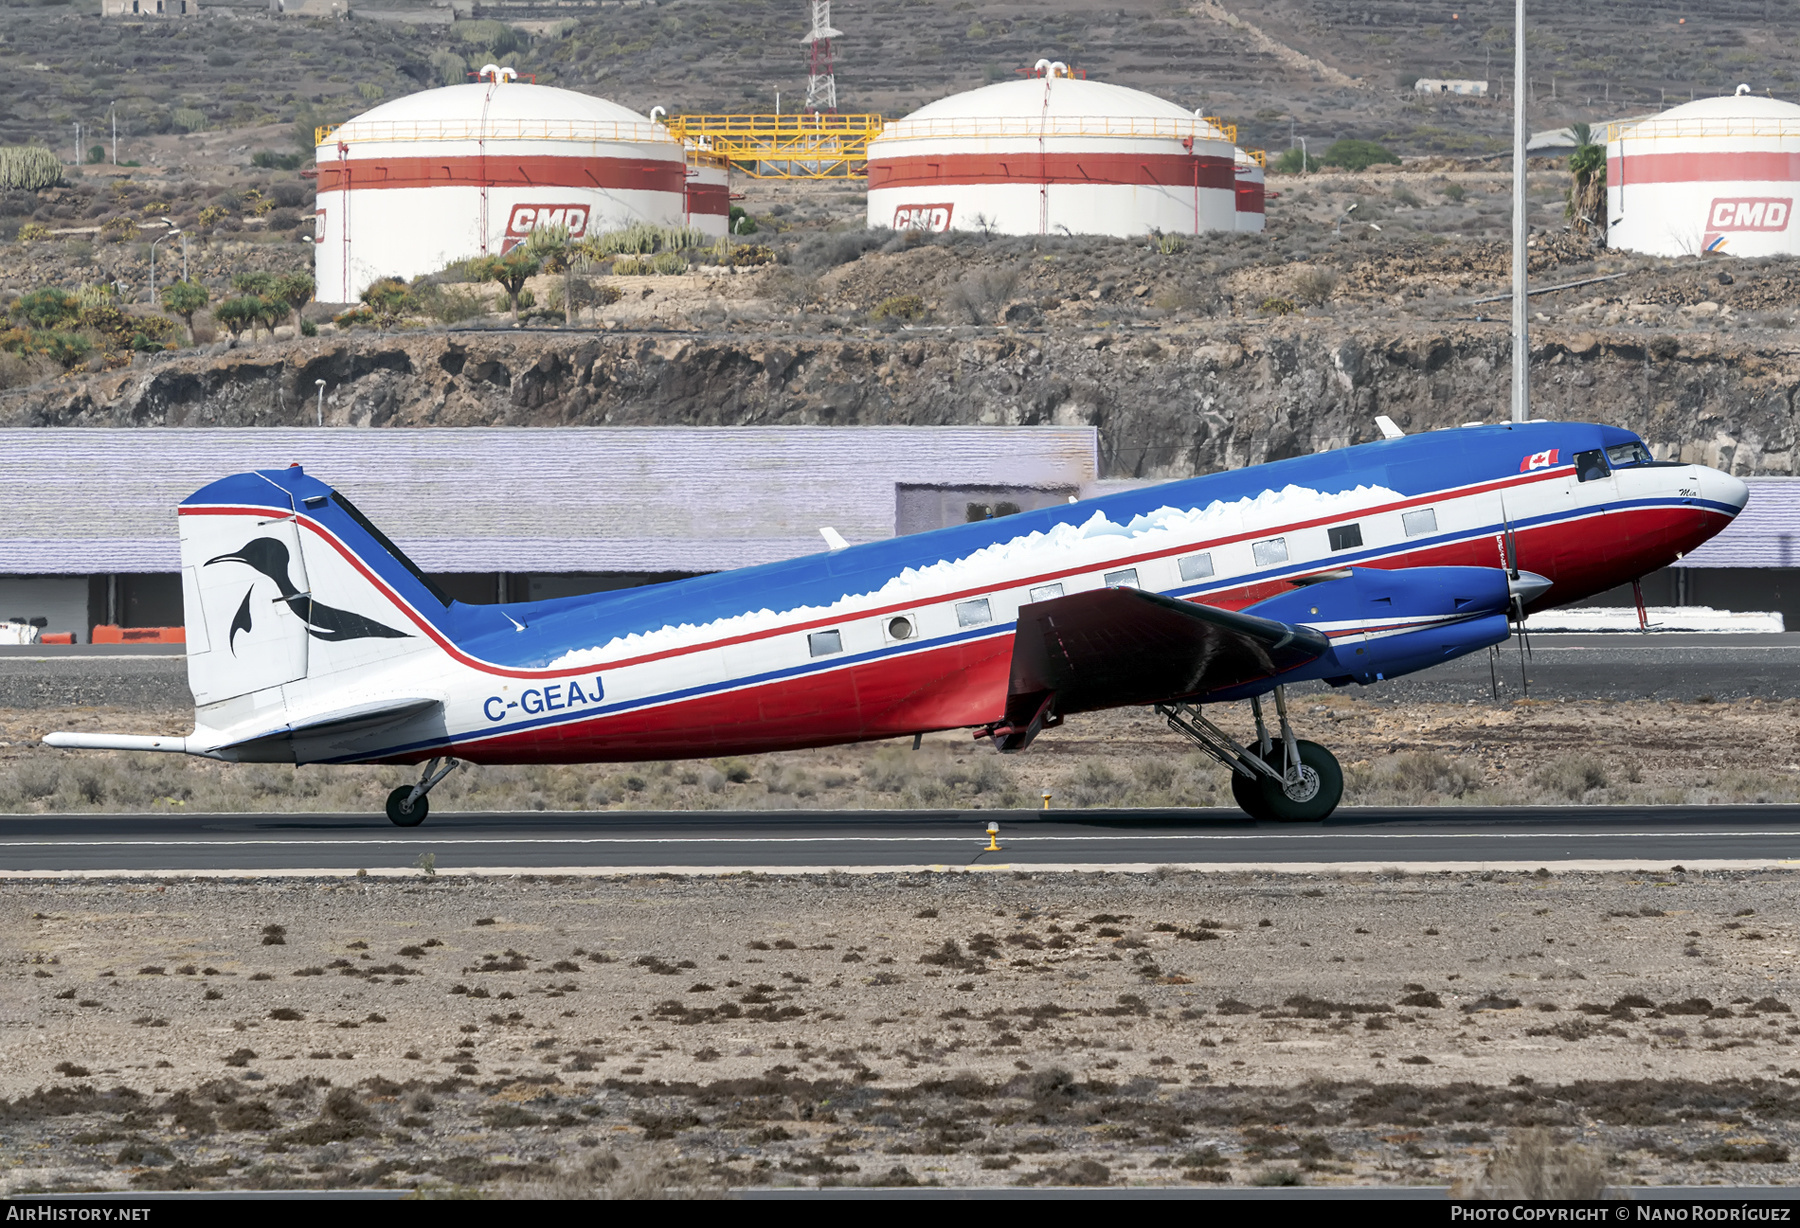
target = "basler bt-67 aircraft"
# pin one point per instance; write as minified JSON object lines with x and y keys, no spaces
{"x":312,"y":639}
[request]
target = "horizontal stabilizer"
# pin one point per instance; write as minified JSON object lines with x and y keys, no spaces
{"x":116,"y":741}
{"x":337,"y":722}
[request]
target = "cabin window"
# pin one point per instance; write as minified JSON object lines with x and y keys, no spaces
{"x":824,"y":643}
{"x":1269,"y":553}
{"x":1345,"y":536}
{"x":1196,"y":567}
{"x":1624,"y":454}
{"x":900,"y":628}
{"x":1046,"y":592}
{"x":974,"y":613}
{"x":1591,"y":466}
{"x":1122,"y":579}
{"x":1419,"y":523}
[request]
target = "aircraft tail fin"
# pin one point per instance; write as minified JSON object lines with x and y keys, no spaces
{"x":283,"y":581}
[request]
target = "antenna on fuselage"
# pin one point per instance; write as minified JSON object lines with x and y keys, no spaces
{"x":1521,"y":336}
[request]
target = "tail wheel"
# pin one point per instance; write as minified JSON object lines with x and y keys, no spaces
{"x":402,"y":813}
{"x":1312,"y":798}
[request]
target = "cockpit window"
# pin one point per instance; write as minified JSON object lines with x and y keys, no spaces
{"x":1633,"y":453}
{"x":1590,"y":466}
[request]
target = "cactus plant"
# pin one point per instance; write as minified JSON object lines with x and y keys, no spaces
{"x":28,"y":167}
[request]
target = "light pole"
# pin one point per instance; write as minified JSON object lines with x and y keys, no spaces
{"x":1521,"y":326}
{"x":321,"y":384}
{"x":1342,"y":217}
{"x":1303,"y":156}
{"x":176,"y":230}
{"x":153,"y":244}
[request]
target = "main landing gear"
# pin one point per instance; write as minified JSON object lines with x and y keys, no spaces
{"x":1281,"y":777}
{"x":407,"y":805}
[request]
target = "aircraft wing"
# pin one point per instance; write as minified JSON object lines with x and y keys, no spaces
{"x":1123,"y":646}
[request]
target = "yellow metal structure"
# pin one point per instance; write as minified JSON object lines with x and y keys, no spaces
{"x":1027,"y":126}
{"x":1701,"y":128}
{"x":783,"y":146}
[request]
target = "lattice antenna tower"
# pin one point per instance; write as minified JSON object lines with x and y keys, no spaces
{"x":821,"y":84}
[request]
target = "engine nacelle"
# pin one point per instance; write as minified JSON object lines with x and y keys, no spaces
{"x":1385,"y":623}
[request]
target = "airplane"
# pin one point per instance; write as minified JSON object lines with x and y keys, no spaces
{"x":312,"y":639}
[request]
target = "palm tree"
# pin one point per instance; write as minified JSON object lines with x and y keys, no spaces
{"x":1587,"y":195}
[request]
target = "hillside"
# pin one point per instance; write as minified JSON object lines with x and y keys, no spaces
{"x":1306,"y":67}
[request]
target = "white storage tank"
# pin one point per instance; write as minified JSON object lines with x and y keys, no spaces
{"x":1053,"y":154}
{"x":708,"y":193}
{"x":1712,"y":175}
{"x":471,"y":170}
{"x":1251,"y":174}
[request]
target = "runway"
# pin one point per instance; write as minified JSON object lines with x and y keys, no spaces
{"x":1368,"y":838}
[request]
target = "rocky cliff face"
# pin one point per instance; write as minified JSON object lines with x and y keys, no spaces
{"x":1168,"y":402}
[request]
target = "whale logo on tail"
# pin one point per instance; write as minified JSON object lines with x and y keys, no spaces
{"x":270,"y":557}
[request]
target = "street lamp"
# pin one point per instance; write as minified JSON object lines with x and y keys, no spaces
{"x":153,"y":244}
{"x":1338,"y":233}
{"x":175,"y":230}
{"x":321,"y":384}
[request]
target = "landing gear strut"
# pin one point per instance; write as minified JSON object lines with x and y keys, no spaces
{"x":407,"y":806}
{"x":1281,"y":777}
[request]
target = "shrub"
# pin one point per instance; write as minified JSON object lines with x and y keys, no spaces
{"x":1427,"y":774}
{"x":1293,"y":162}
{"x":899,"y":307}
{"x":1276,"y":307}
{"x":188,"y":119}
{"x":448,"y":306}
{"x":47,"y":307}
{"x":268,"y":159}
{"x":1355,"y":155}
{"x":980,"y":297}
{"x":449,"y":68}
{"x":643,"y":239}
{"x":33,"y":232}
{"x":669,"y":263}
{"x":1571,"y":775}
{"x":29,"y":168}
{"x":1313,"y":285}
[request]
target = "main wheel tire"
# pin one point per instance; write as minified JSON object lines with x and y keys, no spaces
{"x":1320,"y":789}
{"x":402,"y":815}
{"x":1249,"y":798}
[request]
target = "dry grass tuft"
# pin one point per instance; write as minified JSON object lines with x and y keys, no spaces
{"x":1537,"y":1165}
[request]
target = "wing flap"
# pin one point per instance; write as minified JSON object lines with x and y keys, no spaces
{"x":1114,"y":647}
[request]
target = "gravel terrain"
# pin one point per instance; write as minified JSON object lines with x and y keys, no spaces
{"x":1396,"y":750}
{"x":965,"y":1029}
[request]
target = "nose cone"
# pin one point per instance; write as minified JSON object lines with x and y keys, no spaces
{"x":1721,"y":487}
{"x":1527,"y":587}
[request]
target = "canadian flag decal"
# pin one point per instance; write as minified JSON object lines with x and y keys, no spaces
{"x":1538,"y":460}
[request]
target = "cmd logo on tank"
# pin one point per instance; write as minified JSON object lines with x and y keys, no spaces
{"x":526,"y":218}
{"x":1753,"y":214}
{"x":933,"y":218}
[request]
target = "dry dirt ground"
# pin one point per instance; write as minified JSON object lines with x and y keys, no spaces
{"x":1413,"y":753}
{"x":894,"y":1029}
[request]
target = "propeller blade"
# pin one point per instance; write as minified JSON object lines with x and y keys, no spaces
{"x":1493,"y":673}
{"x":1511,"y":540}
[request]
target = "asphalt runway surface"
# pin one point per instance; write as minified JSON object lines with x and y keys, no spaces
{"x":1618,"y":666}
{"x":1600,"y":837}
